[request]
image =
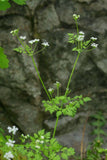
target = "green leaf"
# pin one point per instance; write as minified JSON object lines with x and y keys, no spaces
{"x":20,"y":2}
{"x":86,"y":99}
{"x":4,"y":5}
{"x":64,"y":156}
{"x":3,"y":59}
{"x":58,"y":113}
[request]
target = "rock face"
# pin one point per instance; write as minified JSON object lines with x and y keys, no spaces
{"x":20,"y":89}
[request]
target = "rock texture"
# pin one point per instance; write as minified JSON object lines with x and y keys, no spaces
{"x":20,"y":89}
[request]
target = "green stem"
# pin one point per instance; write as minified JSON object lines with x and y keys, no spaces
{"x":35,"y":68}
{"x":40,"y":77}
{"x":55,"y":127}
{"x":72,"y":73}
{"x":77,"y":26}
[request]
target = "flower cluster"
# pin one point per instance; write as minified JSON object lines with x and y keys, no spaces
{"x":94,"y":45}
{"x":39,"y":142}
{"x":80,"y":36}
{"x":22,"y":37}
{"x":12,"y":130}
{"x":33,"y":41}
{"x":10,"y":143}
{"x":14,"y":32}
{"x":76,"y":16}
{"x":45,"y":44}
{"x":57,"y":84}
{"x":9,"y":155}
{"x":50,"y":90}
{"x":93,"y":38}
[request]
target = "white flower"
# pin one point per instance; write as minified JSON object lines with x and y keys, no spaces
{"x":23,"y":37}
{"x":37,"y":141}
{"x":37,"y":146}
{"x":41,"y":142}
{"x":81,"y":33}
{"x":75,"y":16}
{"x":93,"y":38}
{"x":13,"y":130}
{"x":94,"y":45}
{"x":58,"y":84}
{"x":45,"y":44}
{"x":80,"y":38}
{"x":33,"y":41}
{"x":42,"y":137}
{"x":50,"y":90}
{"x":10,"y":143}
{"x":8,"y":155}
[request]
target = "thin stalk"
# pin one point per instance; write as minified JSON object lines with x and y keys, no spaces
{"x":55,"y":127}
{"x":40,"y":77}
{"x":35,"y":68}
{"x":72,"y":72}
{"x":77,"y":26}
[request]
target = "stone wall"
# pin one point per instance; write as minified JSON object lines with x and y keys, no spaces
{"x":20,"y":90}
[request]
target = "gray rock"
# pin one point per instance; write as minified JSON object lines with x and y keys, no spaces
{"x":47,"y":16}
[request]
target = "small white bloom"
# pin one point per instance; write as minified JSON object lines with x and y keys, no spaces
{"x":11,"y":32}
{"x":23,"y":37}
{"x":80,"y":38}
{"x":41,"y":142}
{"x":12,"y":130}
{"x":37,"y":40}
{"x":37,"y":146}
{"x":93,"y":38}
{"x":94,"y":45}
{"x":37,"y":141}
{"x":45,"y":44}
{"x":33,"y":41}
{"x":75,"y":16}
{"x":50,"y":90}
{"x":81,"y":33}
{"x":10,"y":143}
{"x":42,"y":137}
{"x":8,"y":155}
{"x":9,"y":129}
{"x":58,"y":84}
{"x":15,"y":129}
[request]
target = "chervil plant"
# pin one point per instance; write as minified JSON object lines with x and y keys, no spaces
{"x":42,"y":145}
{"x":39,"y":147}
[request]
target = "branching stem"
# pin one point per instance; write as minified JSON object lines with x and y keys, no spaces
{"x":72,"y":72}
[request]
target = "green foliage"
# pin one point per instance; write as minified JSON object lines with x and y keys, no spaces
{"x":2,"y":137}
{"x":38,"y":147}
{"x":95,"y":149}
{"x":5,"y":4}
{"x":63,"y":105}
{"x":3,"y":59}
{"x":20,"y":2}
